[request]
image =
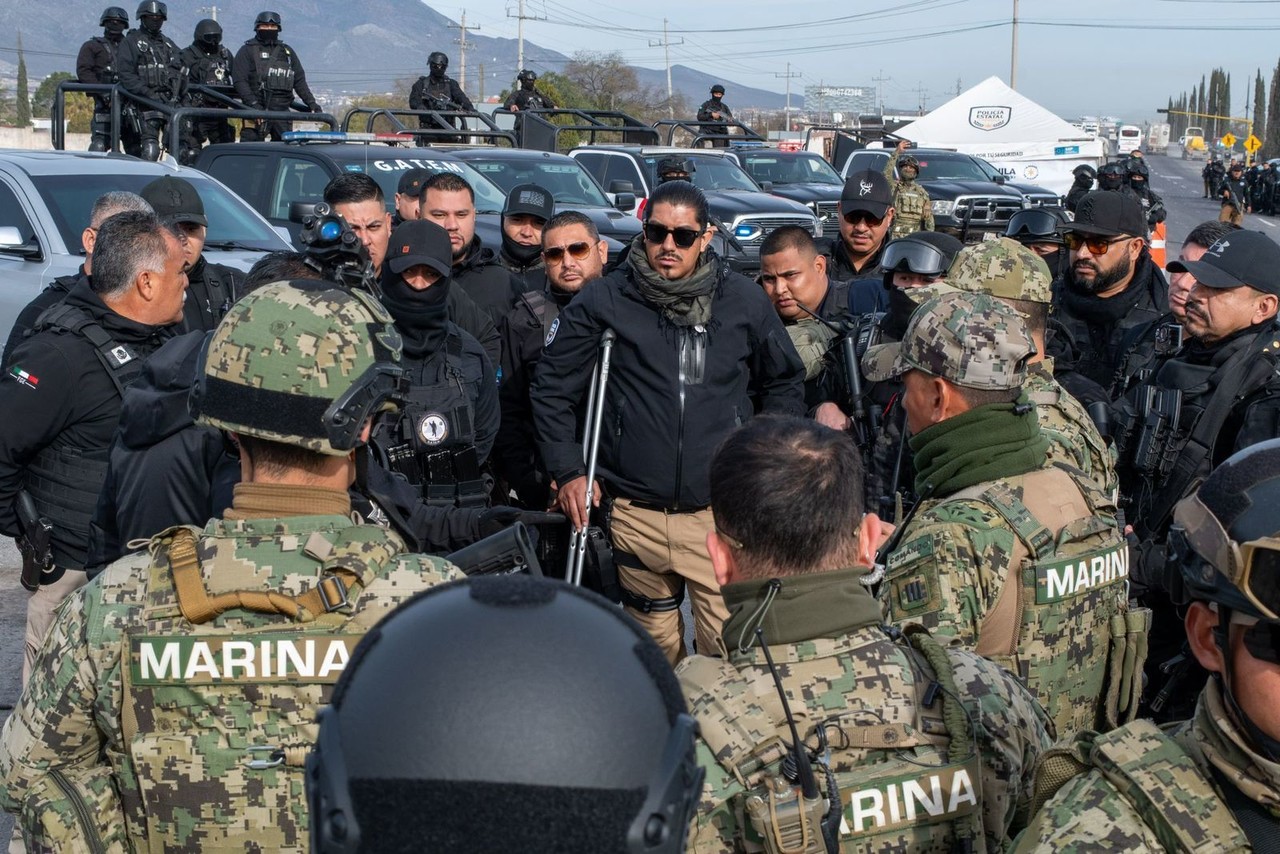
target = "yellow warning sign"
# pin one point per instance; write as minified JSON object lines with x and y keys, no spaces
{"x":1228,"y":140}
{"x":1252,"y":144}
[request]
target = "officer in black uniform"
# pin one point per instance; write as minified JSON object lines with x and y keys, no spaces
{"x":1039,"y":229}
{"x":211,"y":288}
{"x":267,"y":73}
{"x":715,"y":110}
{"x":524,"y":215}
{"x":1085,"y":175}
{"x":96,"y":63}
{"x":67,"y":379}
{"x":1111,"y":176}
{"x":149,"y":64}
{"x":208,"y":63}
{"x":1139,"y":181}
{"x":438,"y":91}
{"x":441,"y":437}
{"x":526,"y":96}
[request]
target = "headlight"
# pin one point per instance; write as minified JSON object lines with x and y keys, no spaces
{"x":943,"y":207}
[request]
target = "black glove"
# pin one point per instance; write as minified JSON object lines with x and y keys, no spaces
{"x":316,"y":108}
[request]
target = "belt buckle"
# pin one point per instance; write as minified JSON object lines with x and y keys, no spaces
{"x":330,"y":604}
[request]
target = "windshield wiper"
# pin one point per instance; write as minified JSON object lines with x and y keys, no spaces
{"x":231,"y":244}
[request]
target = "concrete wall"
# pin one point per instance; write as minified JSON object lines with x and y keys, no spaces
{"x":37,"y":140}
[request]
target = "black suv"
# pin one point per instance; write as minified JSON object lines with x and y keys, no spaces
{"x":801,"y":176}
{"x":970,"y":197}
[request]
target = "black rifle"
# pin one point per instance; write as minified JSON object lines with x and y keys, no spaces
{"x":866,"y":421}
{"x":509,"y":551}
{"x":35,"y":544}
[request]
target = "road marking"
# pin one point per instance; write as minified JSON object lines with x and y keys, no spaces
{"x":1267,"y":224}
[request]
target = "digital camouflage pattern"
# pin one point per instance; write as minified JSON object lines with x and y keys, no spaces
{"x":972,"y":340}
{"x":1002,"y":268}
{"x":308,"y":342}
{"x":1141,"y":789}
{"x":889,"y":753}
{"x":1031,"y":572}
{"x":118,"y":746}
{"x":1073,"y":437}
{"x":912,"y":208}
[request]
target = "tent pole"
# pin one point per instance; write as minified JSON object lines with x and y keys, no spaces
{"x":1013,"y":52}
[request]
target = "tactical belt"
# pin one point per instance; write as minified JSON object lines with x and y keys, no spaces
{"x":670,"y":511}
{"x":644,"y":604}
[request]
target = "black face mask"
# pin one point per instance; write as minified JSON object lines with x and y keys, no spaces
{"x":114,"y":30}
{"x":151,"y":25}
{"x":422,"y":317}
{"x":518,"y":252}
{"x":901,"y":307}
{"x":268,"y":36}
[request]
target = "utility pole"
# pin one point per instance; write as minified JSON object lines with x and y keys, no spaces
{"x":920,"y":96}
{"x":482,"y":82}
{"x":521,"y":17}
{"x":788,"y":76}
{"x":958,"y":87}
{"x":666,"y":44}
{"x":1013,"y":52}
{"x":461,"y":41}
{"x":212,"y":10}
{"x":880,"y":79}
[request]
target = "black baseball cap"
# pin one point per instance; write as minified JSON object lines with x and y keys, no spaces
{"x":420,"y":241}
{"x":175,"y":200}
{"x":530,"y":199}
{"x":1241,"y":258}
{"x":867,"y":191}
{"x":1108,"y":213}
{"x":411,"y":181}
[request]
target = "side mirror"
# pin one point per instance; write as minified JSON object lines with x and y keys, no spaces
{"x":616,"y":187}
{"x":11,"y":244}
{"x":624,"y":201}
{"x":999,"y":179}
{"x":766,"y":186}
{"x":298,"y":211}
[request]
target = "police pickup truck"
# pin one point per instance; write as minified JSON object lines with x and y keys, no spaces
{"x":801,"y":176}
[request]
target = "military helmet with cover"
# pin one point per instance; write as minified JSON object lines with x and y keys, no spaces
{"x":113,"y":13}
{"x":909,"y":160}
{"x":523,"y":738}
{"x":153,"y":7}
{"x":1004,"y":269}
{"x":302,"y":363}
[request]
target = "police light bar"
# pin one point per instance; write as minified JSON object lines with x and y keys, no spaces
{"x":343,"y":136}
{"x":752,"y":143}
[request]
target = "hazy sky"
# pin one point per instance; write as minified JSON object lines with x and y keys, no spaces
{"x":1082,"y":57}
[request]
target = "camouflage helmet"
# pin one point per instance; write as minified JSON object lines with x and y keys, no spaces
{"x":971,"y":340}
{"x":301,"y":363}
{"x":1224,"y":546}
{"x":909,"y":160}
{"x":1002,"y":268}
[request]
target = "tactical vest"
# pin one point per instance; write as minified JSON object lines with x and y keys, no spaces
{"x":438,"y":94}
{"x":530,"y":100}
{"x":217,"y":721}
{"x":909,"y":202}
{"x":545,"y":311}
{"x":213,"y":69}
{"x":273,"y":68}
{"x":1061,"y":622}
{"x":107,"y":73}
{"x":432,"y":440}
{"x":159,"y":63}
{"x":64,"y":480}
{"x":923,"y":795}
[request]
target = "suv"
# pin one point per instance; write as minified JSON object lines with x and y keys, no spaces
{"x":970,"y":197}
{"x":801,"y":176}
{"x":746,"y":213}
{"x":46,"y":198}
{"x":570,"y":185}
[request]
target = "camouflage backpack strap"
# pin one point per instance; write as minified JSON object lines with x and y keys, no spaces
{"x":737,"y":725}
{"x":347,"y":566}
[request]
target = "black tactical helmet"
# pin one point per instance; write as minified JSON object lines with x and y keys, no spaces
{"x":675,"y":164}
{"x":437,"y":61}
{"x":1137,"y":167}
{"x":925,"y":253}
{"x":543,"y":719}
{"x":153,"y":7}
{"x":1111,"y":169}
{"x":717,"y":89}
{"x":524,"y":75}
{"x":267,"y":18}
{"x":1037,"y":225}
{"x":1085,"y":169}
{"x":114,"y":13}
{"x":209,"y":32}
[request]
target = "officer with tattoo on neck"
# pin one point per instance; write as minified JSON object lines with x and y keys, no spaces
{"x":1209,"y":783}
{"x":882,"y":717}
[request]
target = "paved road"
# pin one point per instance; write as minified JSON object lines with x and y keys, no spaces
{"x":1178,"y":181}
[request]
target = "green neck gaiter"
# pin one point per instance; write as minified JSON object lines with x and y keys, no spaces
{"x":985,"y":443}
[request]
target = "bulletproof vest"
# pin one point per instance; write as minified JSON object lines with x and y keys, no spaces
{"x":159,"y":63}
{"x":107,"y":73}
{"x":909,"y":202}
{"x":211,"y":68}
{"x":440,"y":91}
{"x":530,"y":100}
{"x":64,"y":480}
{"x":903,"y":785}
{"x":217,"y":717}
{"x":1061,"y":621}
{"x":273,"y":67}
{"x":432,"y":440}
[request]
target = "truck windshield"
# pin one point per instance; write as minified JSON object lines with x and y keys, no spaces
{"x":567,"y":182}
{"x":950,"y":167}
{"x":791,"y":169}
{"x":713,"y":173}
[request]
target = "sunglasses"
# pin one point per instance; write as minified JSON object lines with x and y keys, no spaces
{"x":684,"y":237}
{"x":854,"y":217}
{"x":1096,"y":245}
{"x":577,"y":251}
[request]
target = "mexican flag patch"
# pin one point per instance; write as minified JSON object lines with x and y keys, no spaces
{"x":29,"y":380}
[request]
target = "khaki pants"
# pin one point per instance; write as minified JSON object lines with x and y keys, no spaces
{"x":1231,"y":214}
{"x":671,"y":546}
{"x":40,"y":607}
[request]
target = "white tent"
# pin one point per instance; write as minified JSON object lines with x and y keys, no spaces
{"x":1019,"y":137}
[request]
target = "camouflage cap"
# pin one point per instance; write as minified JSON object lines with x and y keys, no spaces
{"x":302,"y":363}
{"x":1002,"y":268}
{"x":971,"y":340}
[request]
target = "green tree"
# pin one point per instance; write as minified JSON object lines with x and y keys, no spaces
{"x":1271,"y":137}
{"x":42,"y":100}
{"x":608,"y":83}
{"x":1259,"y":105}
{"x":22,"y":108}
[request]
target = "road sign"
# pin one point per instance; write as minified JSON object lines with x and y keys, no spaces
{"x":1252,"y":144}
{"x":1228,"y":140}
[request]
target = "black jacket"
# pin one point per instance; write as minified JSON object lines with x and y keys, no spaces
{"x":256,"y":62}
{"x":840,"y":267}
{"x":53,"y":293}
{"x":96,"y":61}
{"x":211,"y":289}
{"x":70,"y":407}
{"x":151,"y":66}
{"x":438,"y":93}
{"x":163,"y":468}
{"x":487,"y":282}
{"x":661,"y":428}
{"x":1094,"y":331}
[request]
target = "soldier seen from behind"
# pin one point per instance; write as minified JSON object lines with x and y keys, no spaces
{"x":438,"y":91}
{"x":267,"y":74}
{"x":990,"y":557}
{"x":912,"y":209}
{"x":208,"y":63}
{"x":192,"y":673}
{"x":96,"y":63}
{"x":1211,"y":782}
{"x":149,"y":64}
{"x":880,"y":714}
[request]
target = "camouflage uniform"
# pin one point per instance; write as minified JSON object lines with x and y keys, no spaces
{"x":844,"y":675}
{"x":812,"y":339}
{"x":1028,"y":566}
{"x":913,"y":211}
{"x":1144,"y":789}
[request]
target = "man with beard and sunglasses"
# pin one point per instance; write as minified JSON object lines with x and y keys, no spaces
{"x":694,"y":345}
{"x":1218,"y":394}
{"x":1210,"y":783}
{"x":1110,"y":286}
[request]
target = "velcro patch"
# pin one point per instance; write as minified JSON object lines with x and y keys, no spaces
{"x":276,"y":657}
